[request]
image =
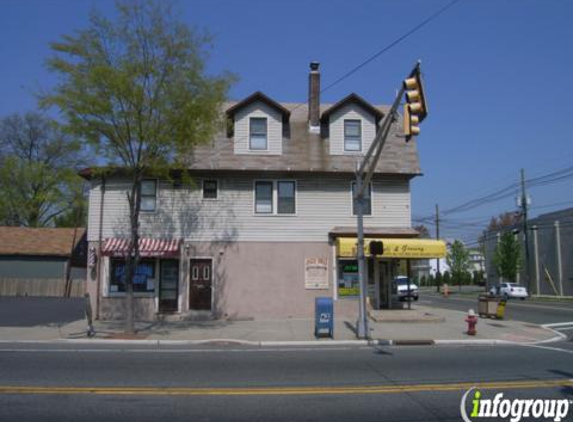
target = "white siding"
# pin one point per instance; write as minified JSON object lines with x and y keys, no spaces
{"x":274,"y":129}
{"x":322,"y":203}
{"x":336,"y":129}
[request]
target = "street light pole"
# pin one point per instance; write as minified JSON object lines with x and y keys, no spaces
{"x":362,"y":323}
{"x":416,"y":112}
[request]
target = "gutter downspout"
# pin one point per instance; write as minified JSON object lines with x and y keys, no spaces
{"x":99,"y":260}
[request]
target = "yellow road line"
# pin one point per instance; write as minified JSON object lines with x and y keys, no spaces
{"x":260,"y":391}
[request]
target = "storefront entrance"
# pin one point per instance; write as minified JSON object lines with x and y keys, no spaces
{"x":168,"y":285}
{"x":200,"y":284}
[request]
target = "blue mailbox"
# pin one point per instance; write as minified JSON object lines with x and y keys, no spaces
{"x":323,"y":316}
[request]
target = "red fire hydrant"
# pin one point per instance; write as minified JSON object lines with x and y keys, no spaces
{"x":472,"y":321}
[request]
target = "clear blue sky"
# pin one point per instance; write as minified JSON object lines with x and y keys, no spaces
{"x":497,"y":76}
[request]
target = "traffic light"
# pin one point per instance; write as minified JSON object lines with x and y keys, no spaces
{"x":415,"y":109}
{"x":376,"y":247}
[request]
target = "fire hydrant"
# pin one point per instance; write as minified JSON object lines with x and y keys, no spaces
{"x":472,"y":321}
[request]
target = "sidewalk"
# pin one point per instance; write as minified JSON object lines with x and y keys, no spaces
{"x":419,"y":325}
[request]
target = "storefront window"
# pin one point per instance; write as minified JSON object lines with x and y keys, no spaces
{"x":348,"y":282}
{"x":144,"y":280}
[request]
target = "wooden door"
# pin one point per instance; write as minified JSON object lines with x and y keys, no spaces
{"x":200,"y":284}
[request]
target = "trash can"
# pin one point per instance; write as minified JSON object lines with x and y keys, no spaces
{"x":491,"y":306}
{"x":323,"y":316}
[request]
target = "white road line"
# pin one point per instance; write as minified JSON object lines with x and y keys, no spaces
{"x":553,"y":349}
{"x":558,"y":324}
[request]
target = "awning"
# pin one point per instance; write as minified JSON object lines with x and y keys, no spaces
{"x":148,"y":247}
{"x":395,"y":248}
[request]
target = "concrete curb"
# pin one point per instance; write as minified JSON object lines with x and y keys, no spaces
{"x":271,"y":344}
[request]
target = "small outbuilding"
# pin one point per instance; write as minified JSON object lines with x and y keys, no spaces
{"x":42,"y":261}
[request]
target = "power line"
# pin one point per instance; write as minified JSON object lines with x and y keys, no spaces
{"x":392,"y":44}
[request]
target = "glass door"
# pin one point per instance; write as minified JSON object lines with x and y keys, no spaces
{"x":169,"y":286}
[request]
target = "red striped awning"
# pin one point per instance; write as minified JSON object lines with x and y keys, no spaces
{"x":148,"y":247}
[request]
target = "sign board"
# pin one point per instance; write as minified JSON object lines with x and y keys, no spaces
{"x":316,"y":273}
{"x":396,"y":248}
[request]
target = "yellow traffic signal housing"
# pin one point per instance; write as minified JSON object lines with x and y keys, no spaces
{"x":411,"y":122}
{"x":416,"y":108}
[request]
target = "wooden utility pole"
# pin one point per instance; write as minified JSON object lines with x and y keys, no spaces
{"x":438,"y":274}
{"x":525,"y":230}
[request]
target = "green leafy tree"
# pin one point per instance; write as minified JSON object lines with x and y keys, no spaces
{"x":136,"y":89}
{"x":458,"y":260}
{"x":446,"y":278}
{"x":507,"y":256}
{"x":38,"y":165}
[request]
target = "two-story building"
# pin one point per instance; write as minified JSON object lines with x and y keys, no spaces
{"x":268,"y":223}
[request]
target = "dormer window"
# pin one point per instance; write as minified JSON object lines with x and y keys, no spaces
{"x":258,"y":133}
{"x":352,"y":135}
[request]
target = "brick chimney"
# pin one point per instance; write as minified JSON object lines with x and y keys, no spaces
{"x":314,"y":97}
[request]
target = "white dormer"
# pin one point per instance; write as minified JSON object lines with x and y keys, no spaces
{"x":258,"y":125}
{"x":352,"y":125}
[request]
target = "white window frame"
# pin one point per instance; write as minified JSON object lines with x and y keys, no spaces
{"x":156,"y":195}
{"x":371,"y":187}
{"x":216,"y":189}
{"x":266,"y":119}
{"x":275,"y":198}
{"x":106,"y":285}
{"x":361,"y":147}
{"x":273,"y":209}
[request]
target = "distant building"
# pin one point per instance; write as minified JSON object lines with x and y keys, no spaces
{"x":36,"y":261}
{"x":550,"y":241}
{"x":477,"y":260}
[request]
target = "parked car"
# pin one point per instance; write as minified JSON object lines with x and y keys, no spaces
{"x":510,"y":290}
{"x":400,"y":288}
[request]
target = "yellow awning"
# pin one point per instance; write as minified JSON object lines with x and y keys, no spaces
{"x":395,"y":248}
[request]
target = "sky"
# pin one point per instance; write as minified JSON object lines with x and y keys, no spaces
{"x":496,"y":72}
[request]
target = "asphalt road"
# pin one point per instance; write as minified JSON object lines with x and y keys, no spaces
{"x":124,"y":383}
{"x":536,"y":312}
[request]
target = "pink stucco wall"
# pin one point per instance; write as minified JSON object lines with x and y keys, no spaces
{"x":252,"y":280}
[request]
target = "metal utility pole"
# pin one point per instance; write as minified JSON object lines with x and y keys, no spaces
{"x":438,"y":275}
{"x":362,"y":182}
{"x":525,"y":230}
{"x":417,"y":111}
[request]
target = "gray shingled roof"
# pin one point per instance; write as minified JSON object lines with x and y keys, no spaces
{"x":306,"y":152}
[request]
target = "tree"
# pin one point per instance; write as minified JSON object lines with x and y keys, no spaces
{"x":507,"y":256}
{"x":38,"y":165}
{"x":136,"y":89}
{"x":505,"y":220}
{"x":458,"y":261}
{"x":423,"y":230}
{"x":77,"y":212}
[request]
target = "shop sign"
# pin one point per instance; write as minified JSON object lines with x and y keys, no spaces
{"x":316,"y":273}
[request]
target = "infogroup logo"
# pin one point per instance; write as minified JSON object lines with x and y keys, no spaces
{"x":513,"y":409}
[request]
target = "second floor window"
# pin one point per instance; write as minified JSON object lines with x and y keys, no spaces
{"x":258,"y":133}
{"x":275,"y":197}
{"x":285,"y":198}
{"x":264,"y":197}
{"x":148,"y":195}
{"x":209,"y":189}
{"x":367,"y":210}
{"x":352,"y":135}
